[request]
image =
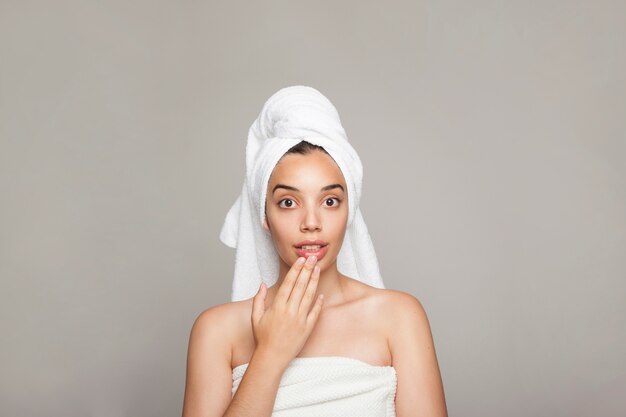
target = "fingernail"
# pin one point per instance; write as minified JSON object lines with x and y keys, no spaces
{"x":300,"y":260}
{"x":311,"y":259}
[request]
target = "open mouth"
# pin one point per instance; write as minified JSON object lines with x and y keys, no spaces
{"x":310,"y":247}
{"x":318,"y":249}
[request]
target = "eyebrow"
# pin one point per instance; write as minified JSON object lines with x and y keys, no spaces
{"x":289,"y":187}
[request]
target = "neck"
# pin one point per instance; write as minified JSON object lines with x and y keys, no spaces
{"x":331,"y":284}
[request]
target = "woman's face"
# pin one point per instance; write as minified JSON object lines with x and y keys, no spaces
{"x":307,"y":200}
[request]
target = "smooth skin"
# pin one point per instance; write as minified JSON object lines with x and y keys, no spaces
{"x":377,"y":326}
{"x":279,"y":333}
{"x":284,"y":327}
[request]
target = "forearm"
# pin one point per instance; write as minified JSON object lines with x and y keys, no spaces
{"x":257,"y":391}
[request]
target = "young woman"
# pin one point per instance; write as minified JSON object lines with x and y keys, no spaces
{"x":359,"y":350}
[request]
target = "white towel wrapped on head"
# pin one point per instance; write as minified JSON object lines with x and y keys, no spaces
{"x":291,"y":115}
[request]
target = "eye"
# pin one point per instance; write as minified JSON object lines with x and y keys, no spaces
{"x":331,"y":199}
{"x":288,"y":205}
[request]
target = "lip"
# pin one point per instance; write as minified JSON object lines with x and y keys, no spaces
{"x":311,"y":242}
{"x":318,"y":253}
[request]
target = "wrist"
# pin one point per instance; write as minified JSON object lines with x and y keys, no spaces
{"x":269,"y":357}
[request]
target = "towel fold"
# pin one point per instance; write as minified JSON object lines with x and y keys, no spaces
{"x":332,"y":386}
{"x":291,"y":115}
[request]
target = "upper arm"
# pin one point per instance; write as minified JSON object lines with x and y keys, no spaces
{"x":420,"y":389}
{"x":209,"y":376}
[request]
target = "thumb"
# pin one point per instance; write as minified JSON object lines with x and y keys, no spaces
{"x":258,"y":303}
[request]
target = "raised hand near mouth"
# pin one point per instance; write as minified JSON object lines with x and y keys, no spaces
{"x":282,"y":329}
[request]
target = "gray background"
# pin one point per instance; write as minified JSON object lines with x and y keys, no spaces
{"x":492,"y":136}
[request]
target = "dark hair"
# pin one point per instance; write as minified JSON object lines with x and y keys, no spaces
{"x":304,"y":148}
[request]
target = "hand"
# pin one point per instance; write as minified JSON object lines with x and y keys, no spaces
{"x":283,"y":328}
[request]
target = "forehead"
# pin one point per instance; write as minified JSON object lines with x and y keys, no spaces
{"x":314,"y":167}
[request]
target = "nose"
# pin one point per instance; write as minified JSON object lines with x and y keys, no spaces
{"x":311,"y":221}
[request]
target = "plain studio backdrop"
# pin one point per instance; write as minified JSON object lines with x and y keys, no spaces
{"x":492,"y":134}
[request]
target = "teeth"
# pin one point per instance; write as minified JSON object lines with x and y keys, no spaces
{"x":311,"y":247}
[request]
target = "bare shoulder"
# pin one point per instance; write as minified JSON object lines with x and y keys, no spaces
{"x":402,"y":304}
{"x":389,"y":302}
{"x":222,"y":319}
{"x":420,"y":388}
{"x":209,"y":378}
{"x":398,"y":310}
{"x":390,"y":309}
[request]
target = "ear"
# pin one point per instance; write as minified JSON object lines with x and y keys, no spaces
{"x":266,"y":226}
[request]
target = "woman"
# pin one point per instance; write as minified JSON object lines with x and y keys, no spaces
{"x":359,"y":350}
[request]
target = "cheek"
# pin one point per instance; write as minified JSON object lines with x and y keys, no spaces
{"x":337,"y":226}
{"x":283,"y":227}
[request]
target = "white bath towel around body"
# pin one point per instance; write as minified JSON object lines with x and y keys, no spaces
{"x":332,"y":386}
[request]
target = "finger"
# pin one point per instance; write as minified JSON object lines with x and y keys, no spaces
{"x":295,"y":298}
{"x":309,"y":295}
{"x":258,"y":303}
{"x":315,"y":312}
{"x":282,"y":295}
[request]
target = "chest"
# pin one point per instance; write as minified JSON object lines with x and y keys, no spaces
{"x":348,"y":332}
